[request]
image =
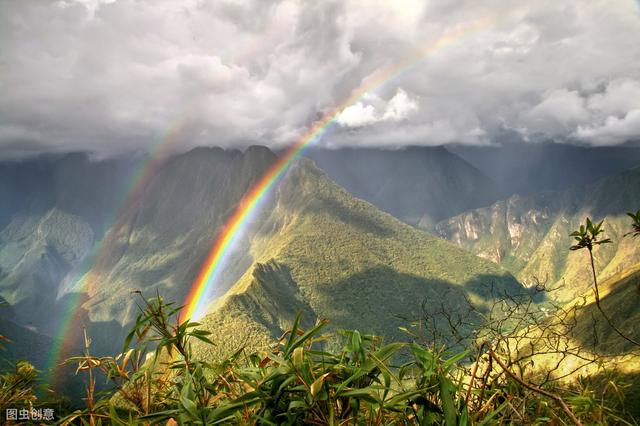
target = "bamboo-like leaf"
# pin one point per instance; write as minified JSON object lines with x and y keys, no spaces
{"x":365,"y":394}
{"x":487,"y":419}
{"x":317,"y":384}
{"x":381,"y":355}
{"x":454,"y":359}
{"x":298,"y":358}
{"x":447,"y":392}
{"x":292,"y":334}
{"x":186,"y":400}
{"x":306,"y":336}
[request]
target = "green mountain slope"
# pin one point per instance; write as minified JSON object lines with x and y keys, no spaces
{"x":620,"y":295}
{"x":529,"y":235}
{"x":323,"y":252}
{"x":311,"y":247}
{"x":58,"y":224}
{"x":169,"y":231}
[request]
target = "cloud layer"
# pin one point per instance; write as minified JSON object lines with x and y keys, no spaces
{"x":111,"y":76}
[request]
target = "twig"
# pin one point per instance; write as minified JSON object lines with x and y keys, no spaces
{"x":536,"y":389}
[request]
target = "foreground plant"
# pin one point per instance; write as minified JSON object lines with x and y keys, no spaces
{"x":297,"y":381}
{"x":16,"y":387}
{"x":635,"y":224}
{"x":588,"y":236}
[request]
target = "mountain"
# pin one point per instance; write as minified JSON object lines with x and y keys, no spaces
{"x":575,"y":340}
{"x":312,"y":247}
{"x":170,"y":229}
{"x":70,"y":247}
{"x":329,"y":255}
{"x":529,"y":235}
{"x":418,"y":185}
{"x":619,"y":296}
{"x":54,"y":209}
{"x":23,"y":343}
{"x":73,"y":183}
{"x":529,"y":168}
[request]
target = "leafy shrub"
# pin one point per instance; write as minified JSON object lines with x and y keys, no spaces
{"x":297,"y":382}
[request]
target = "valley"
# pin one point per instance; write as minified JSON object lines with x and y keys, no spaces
{"x":313,"y":249}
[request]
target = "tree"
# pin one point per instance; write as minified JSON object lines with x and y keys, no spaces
{"x":588,"y":236}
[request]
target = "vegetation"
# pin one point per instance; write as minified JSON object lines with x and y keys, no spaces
{"x":528,"y":234}
{"x":160,"y":380}
{"x":505,"y":359}
{"x":588,"y":236}
{"x":16,"y":387}
{"x":321,"y":251}
{"x":297,"y":382}
{"x":635,"y":224}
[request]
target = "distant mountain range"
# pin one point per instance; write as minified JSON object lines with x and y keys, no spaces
{"x":529,"y":168}
{"x":418,"y":185}
{"x":424,"y":185}
{"x":530,"y":235}
{"x":57,"y":209}
{"x":61,"y":223}
{"x":326,"y":242}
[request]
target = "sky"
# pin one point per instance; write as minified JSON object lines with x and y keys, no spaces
{"x":116,"y":76}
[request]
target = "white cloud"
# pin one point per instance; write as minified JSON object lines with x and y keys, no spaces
{"x":558,"y":112}
{"x":619,"y":97}
{"x":358,"y":115}
{"x":614,"y":130}
{"x":116,"y":75}
{"x":602,"y":115}
{"x":398,"y":108}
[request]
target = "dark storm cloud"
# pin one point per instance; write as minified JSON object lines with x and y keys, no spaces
{"x":109,"y":76}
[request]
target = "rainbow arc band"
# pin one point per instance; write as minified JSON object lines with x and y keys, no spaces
{"x":197,"y":299}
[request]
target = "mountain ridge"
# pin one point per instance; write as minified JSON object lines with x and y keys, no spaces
{"x":530,"y":235}
{"x":418,"y":185}
{"x":347,"y":269}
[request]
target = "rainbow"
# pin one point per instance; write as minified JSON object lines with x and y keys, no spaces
{"x":68,"y":329}
{"x":197,"y":298}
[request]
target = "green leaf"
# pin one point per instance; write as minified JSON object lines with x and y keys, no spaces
{"x":381,"y":355}
{"x":356,"y":345}
{"x":292,"y":334}
{"x":286,"y":382}
{"x":222,"y":413}
{"x":365,"y":394}
{"x":204,"y":339}
{"x":402,"y":398}
{"x":186,"y":400}
{"x":454,"y":359}
{"x":493,"y":414}
{"x":297,"y":404}
{"x":306,"y":336}
{"x":317,"y":384}
{"x":447,"y":391}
